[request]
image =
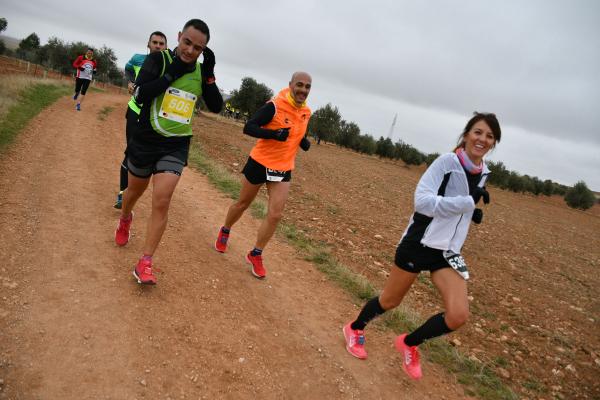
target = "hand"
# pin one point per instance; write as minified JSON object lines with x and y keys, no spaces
{"x":477,"y":215}
{"x":281,"y":134}
{"x":480,"y":192}
{"x":305,"y":144}
{"x":175,"y":70}
{"x":208,"y":65}
{"x":130,"y":87}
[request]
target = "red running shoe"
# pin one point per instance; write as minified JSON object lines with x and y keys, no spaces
{"x":258,"y":270}
{"x":143,"y":272}
{"x":221,"y":243}
{"x":410,"y":358}
{"x":355,"y":341}
{"x":122,"y":232}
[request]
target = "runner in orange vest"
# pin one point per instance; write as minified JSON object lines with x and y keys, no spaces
{"x":280,"y":126}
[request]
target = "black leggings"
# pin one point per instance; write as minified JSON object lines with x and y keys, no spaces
{"x":81,"y":85}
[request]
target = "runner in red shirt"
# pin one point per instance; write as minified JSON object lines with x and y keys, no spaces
{"x":86,"y":68}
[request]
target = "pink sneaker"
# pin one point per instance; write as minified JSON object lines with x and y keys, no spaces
{"x":258,"y":270}
{"x":122,"y":232}
{"x":410,"y":358}
{"x":221,"y":243}
{"x":355,"y":341}
{"x":143,"y":272}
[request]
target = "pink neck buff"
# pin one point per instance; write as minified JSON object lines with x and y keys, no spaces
{"x":467,"y":164}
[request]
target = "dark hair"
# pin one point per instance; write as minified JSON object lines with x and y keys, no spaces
{"x":157,"y":33}
{"x":199,"y":25}
{"x":89,"y":49}
{"x":489,"y":118}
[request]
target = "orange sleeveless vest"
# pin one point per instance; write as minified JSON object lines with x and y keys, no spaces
{"x":282,"y":155}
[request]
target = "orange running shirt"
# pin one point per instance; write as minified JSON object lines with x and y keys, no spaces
{"x":282,"y":155}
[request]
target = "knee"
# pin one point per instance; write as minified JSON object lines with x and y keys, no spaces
{"x":242,"y":205}
{"x":274,"y":216}
{"x":456,"y":318}
{"x":161,"y":204}
{"x":388,"y":302}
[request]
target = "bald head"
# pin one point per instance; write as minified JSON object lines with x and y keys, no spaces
{"x":300,"y":85}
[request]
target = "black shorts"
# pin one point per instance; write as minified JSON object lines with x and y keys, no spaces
{"x":414,"y":257}
{"x":256,"y":173}
{"x":81,"y":85}
{"x":149,"y":153}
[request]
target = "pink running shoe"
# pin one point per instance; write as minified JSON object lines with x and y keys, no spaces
{"x":221,"y":243}
{"x":122,"y":232}
{"x":143,"y":272}
{"x":355,"y":341}
{"x":410,"y":358}
{"x":258,"y":270}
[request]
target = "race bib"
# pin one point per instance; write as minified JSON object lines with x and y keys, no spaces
{"x":457,"y":263}
{"x":275,"y":176}
{"x":178,"y":105}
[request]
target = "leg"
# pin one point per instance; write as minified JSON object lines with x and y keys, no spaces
{"x":162,"y":192}
{"x":247,"y":195}
{"x":137,"y":187}
{"x":396,"y":287}
{"x":278,"y":194}
{"x":453,"y":289}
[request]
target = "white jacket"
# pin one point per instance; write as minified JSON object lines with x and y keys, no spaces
{"x":450,"y":212}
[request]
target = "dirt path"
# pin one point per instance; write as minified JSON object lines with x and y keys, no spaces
{"x":75,"y":325}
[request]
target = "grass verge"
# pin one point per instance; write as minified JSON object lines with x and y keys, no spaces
{"x":102,"y":114}
{"x":478,"y":379}
{"x":31,"y":100}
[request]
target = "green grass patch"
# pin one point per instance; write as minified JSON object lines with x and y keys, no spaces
{"x":102,"y":114}
{"x":32,"y":100}
{"x":478,"y":379}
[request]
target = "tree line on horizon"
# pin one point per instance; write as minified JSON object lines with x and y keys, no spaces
{"x":59,"y":55}
{"x":326,"y":124}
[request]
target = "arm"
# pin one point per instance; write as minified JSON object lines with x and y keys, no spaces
{"x":263,"y":116}
{"x":212,"y":97}
{"x":149,"y":84}
{"x":77,"y":62}
{"x":129,"y":71}
{"x":428,"y":202}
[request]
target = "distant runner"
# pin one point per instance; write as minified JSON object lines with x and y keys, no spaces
{"x":280,"y":126}
{"x":445,"y":204}
{"x":168,"y":87}
{"x":156,"y":42}
{"x":86,"y":68}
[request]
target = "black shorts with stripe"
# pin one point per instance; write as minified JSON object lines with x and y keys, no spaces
{"x":256,"y":173}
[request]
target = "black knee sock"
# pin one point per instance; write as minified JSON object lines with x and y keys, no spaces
{"x":371,"y":310}
{"x":433,"y":327}
{"x":124,"y":181}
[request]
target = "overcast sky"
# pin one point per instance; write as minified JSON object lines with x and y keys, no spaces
{"x":536,"y":64}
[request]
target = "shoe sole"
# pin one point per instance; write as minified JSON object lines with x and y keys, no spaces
{"x":401,"y":351}
{"x":252,"y":269}
{"x":140,"y":281}
{"x":348,"y":348}
{"x":215,"y":246}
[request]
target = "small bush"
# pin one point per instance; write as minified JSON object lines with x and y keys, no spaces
{"x":579,"y":196}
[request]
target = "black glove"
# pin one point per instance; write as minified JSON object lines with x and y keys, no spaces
{"x":175,"y":70}
{"x":477,"y":215}
{"x":81,"y":69}
{"x":305,"y":144}
{"x":281,"y":134}
{"x":208,"y":65}
{"x":480,"y":192}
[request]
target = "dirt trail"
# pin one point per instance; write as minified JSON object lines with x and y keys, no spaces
{"x":75,"y":325}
